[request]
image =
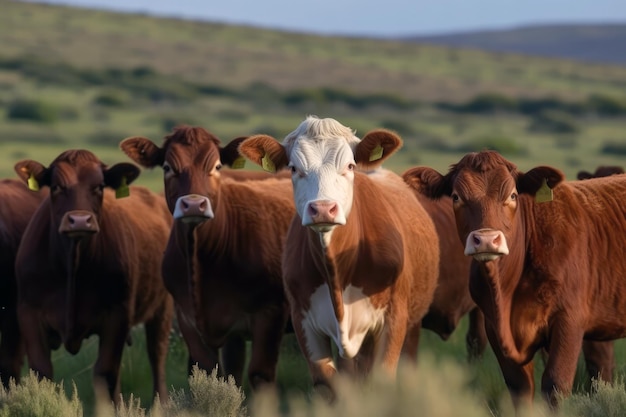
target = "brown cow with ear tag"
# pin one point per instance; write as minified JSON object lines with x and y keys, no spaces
{"x":89,"y":264}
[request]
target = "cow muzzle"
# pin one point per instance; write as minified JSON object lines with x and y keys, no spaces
{"x":323,"y":215}
{"x":78,"y":224}
{"x":486,"y":245}
{"x":193,"y":208}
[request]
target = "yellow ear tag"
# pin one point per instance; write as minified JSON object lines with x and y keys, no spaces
{"x":123,"y":190}
{"x":32,"y":183}
{"x":268,"y":164}
{"x":544,"y":193}
{"x":238,"y":163}
{"x":377,"y":153}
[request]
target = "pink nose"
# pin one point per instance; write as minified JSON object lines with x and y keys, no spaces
{"x":486,"y":241}
{"x":78,"y":222}
{"x":193,"y":206}
{"x":323,"y":211}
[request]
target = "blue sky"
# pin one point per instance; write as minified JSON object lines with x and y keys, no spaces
{"x":376,"y":18}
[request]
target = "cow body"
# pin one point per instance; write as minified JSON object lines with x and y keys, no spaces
{"x":539,"y":273}
{"x":601,"y":171}
{"x":17,"y":205}
{"x":452,"y":299}
{"x":223,"y":260}
{"x":89,"y":264}
{"x":361,"y":257}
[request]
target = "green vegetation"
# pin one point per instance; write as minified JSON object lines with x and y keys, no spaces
{"x":74,"y":78}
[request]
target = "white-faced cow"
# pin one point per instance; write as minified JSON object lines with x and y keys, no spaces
{"x":17,"y":205}
{"x":89,"y":264}
{"x":223,"y":260}
{"x":548,"y":262}
{"x":361,"y":257}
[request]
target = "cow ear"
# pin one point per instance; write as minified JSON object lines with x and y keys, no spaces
{"x":119,"y":175}
{"x":265,"y":151}
{"x":34,"y":174}
{"x":143,"y":151}
{"x":531,"y":181}
{"x":584,"y":175}
{"x":229,"y":154}
{"x":428,"y":182}
{"x":375,"y":147}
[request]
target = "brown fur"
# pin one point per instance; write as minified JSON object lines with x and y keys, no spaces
{"x":555,"y":287}
{"x":452,"y":299}
{"x":17,"y":205}
{"x":118,"y":282}
{"x":234,"y":291}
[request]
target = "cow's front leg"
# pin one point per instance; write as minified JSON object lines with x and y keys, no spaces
{"x":476,"y":337}
{"x":518,"y":378}
{"x":200,"y":353}
{"x":600,"y":359}
{"x":12,"y":349}
{"x":267,"y":334}
{"x":565,"y":345}
{"x":35,"y":341}
{"x":158,"y":330}
{"x":316,"y":347}
{"x":106,"y":372}
{"x":233,"y":354}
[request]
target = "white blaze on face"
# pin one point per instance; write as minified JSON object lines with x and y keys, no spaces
{"x":322,"y":173}
{"x":360,"y":318}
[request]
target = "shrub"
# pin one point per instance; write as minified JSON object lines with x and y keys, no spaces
{"x":605,"y":105}
{"x":489,"y":103}
{"x":38,"y":398}
{"x":400,"y":126}
{"x":604,"y":400}
{"x":613,"y":148}
{"x":110,"y":98}
{"x":554,"y":121}
{"x":208,"y":395}
{"x":502,"y":144}
{"x":32,"y":110}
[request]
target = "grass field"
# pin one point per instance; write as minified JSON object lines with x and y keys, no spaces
{"x":91,"y":78}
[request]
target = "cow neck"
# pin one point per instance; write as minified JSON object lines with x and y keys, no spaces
{"x":345,"y":240}
{"x":493,"y":285}
{"x":73,"y":255}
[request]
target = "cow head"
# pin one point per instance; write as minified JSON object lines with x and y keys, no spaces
{"x":191,"y":159}
{"x":76,"y":179}
{"x":322,"y":155}
{"x":485,"y":190}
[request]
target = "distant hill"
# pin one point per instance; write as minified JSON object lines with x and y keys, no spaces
{"x":592,"y":43}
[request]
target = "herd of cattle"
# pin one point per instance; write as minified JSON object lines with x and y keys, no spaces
{"x":326,"y":244}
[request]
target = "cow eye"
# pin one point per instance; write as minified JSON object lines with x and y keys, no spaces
{"x":56,"y":189}
{"x":455,"y":197}
{"x":166,"y":168}
{"x":351,"y":167}
{"x":218,"y":167}
{"x":513,"y":196}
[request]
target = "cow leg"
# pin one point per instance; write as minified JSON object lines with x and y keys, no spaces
{"x":12,"y":349}
{"x":389,"y":347}
{"x":267,"y":335}
{"x":411,"y":343}
{"x":600,"y":359}
{"x":36,"y":342}
{"x":205,"y":357}
{"x":476,"y":337}
{"x":519,"y":379}
{"x":234,"y":357}
{"x":158,"y":330}
{"x":565,"y":346}
{"x":106,"y":372}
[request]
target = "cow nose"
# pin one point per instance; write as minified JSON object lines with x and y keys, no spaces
{"x":323,"y":211}
{"x":78,"y":223}
{"x":193,"y":208}
{"x":486,"y":244}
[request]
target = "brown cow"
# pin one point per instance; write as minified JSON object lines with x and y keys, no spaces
{"x":547,"y":262}
{"x":361,"y":257}
{"x":452,"y":299}
{"x":222,"y":263}
{"x":90,"y":264}
{"x":17,"y":205}
{"x":601,"y":171}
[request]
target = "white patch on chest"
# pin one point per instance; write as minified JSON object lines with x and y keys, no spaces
{"x":360,"y":318}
